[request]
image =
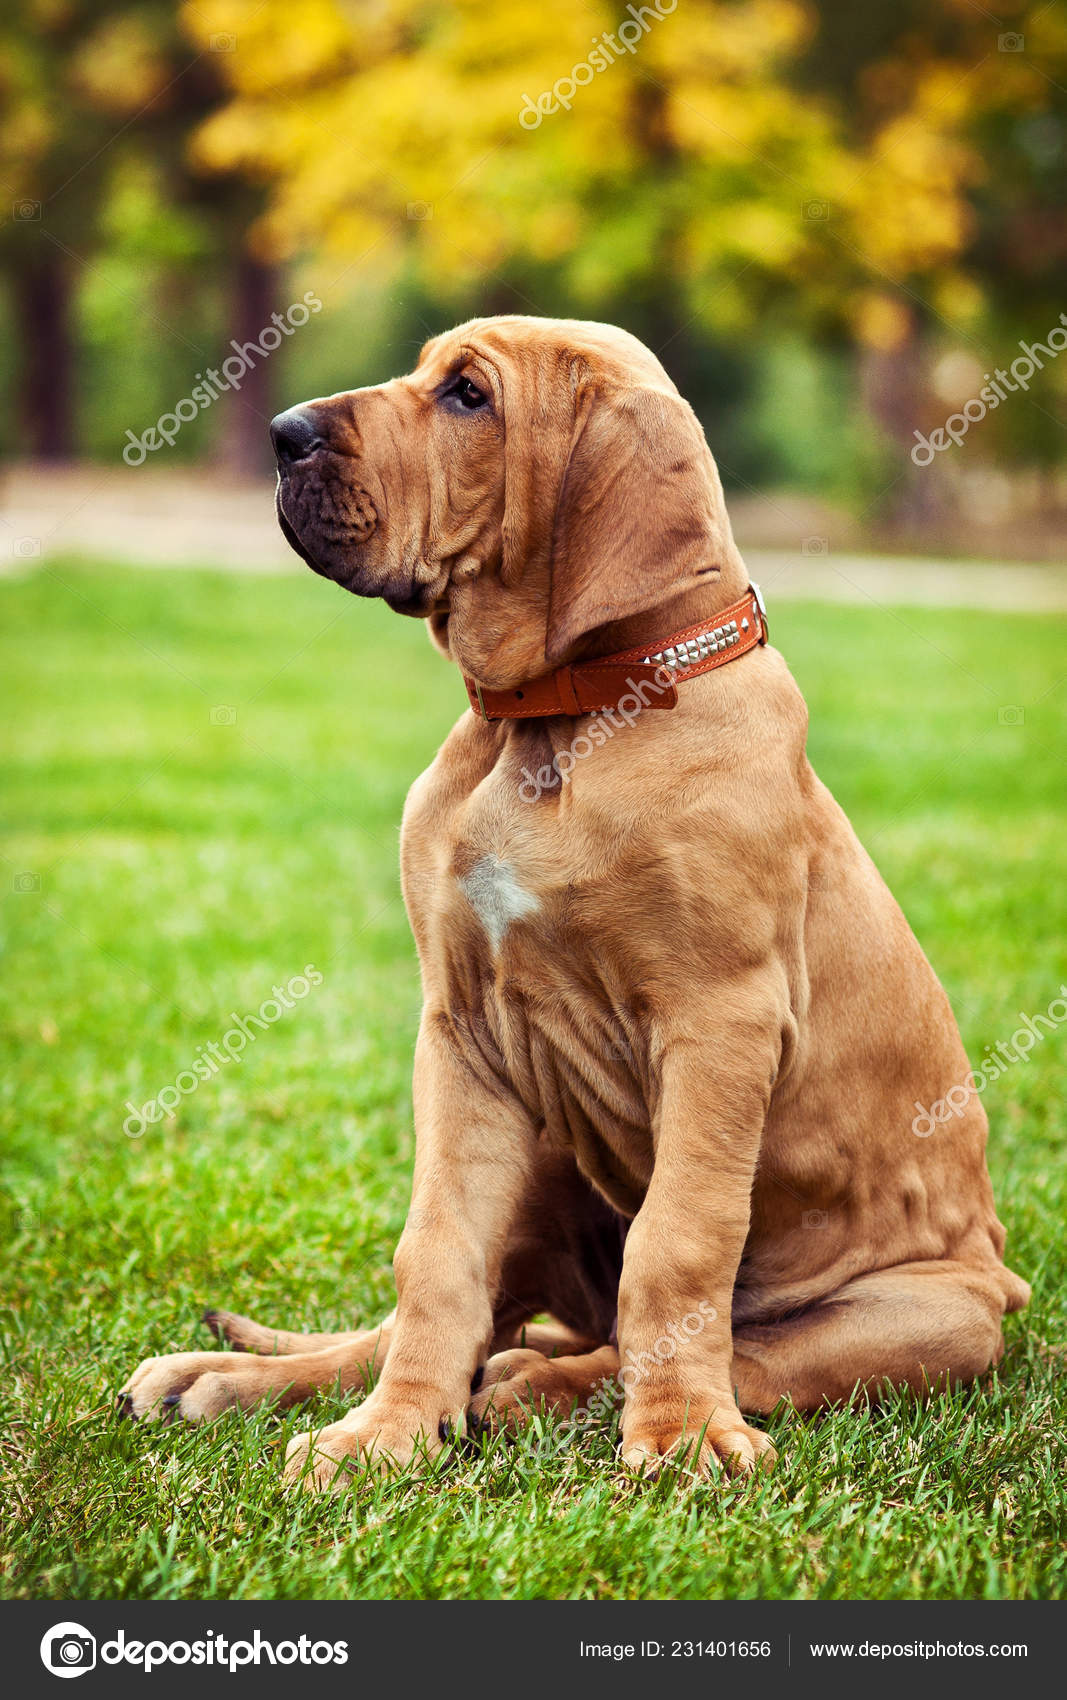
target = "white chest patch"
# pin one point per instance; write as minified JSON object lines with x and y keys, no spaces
{"x":496,"y":897}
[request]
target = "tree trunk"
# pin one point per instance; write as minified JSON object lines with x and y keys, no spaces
{"x":894,"y":390}
{"x":43,"y":298}
{"x":245,"y":449}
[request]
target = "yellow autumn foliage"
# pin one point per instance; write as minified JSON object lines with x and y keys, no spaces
{"x":598,"y":138}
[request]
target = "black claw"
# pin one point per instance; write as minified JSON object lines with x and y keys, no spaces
{"x":124,"y":1405}
{"x":445,"y":1430}
{"x":477,"y":1378}
{"x":170,"y":1401}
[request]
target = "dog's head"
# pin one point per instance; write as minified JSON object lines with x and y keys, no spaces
{"x":531,"y":482}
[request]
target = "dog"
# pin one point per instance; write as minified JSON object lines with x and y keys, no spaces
{"x":675,"y":1028}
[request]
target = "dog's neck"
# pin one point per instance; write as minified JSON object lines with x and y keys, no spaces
{"x":601,"y":679}
{"x":699,"y":603}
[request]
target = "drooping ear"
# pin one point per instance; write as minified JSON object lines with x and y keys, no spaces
{"x":539,"y":403}
{"x":640,"y":514}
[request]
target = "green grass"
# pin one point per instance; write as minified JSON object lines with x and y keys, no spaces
{"x":185,"y":867}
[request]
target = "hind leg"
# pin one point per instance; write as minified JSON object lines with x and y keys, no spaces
{"x":201,"y":1385}
{"x":519,"y":1381}
{"x":276,"y":1364}
{"x":244,"y":1335}
{"x":919,"y":1325}
{"x":563,"y":1259}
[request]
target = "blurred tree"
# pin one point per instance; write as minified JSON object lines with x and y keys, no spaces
{"x":682,"y":146}
{"x":951,"y":89}
{"x":38,"y":155}
{"x":71,"y":72}
{"x":696,"y":169}
{"x":387,"y":125}
{"x":96,"y":95}
{"x":718,"y":175}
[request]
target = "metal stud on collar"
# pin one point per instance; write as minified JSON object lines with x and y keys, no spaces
{"x":698,"y":648}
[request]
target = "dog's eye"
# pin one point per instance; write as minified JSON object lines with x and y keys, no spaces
{"x":467,"y":394}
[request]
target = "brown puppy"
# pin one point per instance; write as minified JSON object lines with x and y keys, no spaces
{"x":664,"y":985}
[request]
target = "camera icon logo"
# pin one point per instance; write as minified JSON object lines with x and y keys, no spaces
{"x":68,"y":1650}
{"x":27,"y":212}
{"x":1011,"y":42}
{"x":816,"y":209}
{"x":223,"y":715}
{"x":1011,"y":714}
{"x":27,"y":880}
{"x":815,"y":546}
{"x":26,"y":547}
{"x":420,"y":209}
{"x":224,"y":42}
{"x":815,"y":1219}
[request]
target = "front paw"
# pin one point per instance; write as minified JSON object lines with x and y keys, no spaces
{"x":371,"y":1439}
{"x":698,"y":1446}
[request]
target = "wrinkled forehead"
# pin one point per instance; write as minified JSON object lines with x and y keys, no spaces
{"x":510,"y":340}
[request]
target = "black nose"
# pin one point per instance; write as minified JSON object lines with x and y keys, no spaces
{"x":294,"y":436}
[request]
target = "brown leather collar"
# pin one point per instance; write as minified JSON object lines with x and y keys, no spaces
{"x":586,"y":687}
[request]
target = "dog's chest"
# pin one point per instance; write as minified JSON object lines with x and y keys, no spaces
{"x":527,"y":950}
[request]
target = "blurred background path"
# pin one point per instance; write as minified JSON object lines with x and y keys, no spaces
{"x":163,"y":518}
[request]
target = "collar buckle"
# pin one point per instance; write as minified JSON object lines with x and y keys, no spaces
{"x":762,"y":606}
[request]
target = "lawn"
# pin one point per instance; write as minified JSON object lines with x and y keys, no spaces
{"x":204,"y":779}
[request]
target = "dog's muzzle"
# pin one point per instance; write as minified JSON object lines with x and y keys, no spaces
{"x":324,"y":513}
